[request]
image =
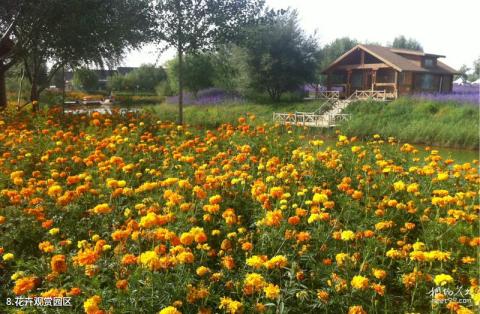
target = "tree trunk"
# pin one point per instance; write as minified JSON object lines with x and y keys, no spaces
{"x":3,"y":90}
{"x":180,"y":86}
{"x":34,"y":95}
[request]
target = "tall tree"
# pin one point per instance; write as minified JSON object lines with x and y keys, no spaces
{"x":193,"y":25}
{"x":463,"y":73}
{"x":476,"y":70}
{"x":280,"y":56}
{"x":72,"y":32}
{"x":85,"y":79}
{"x":331,"y":52}
{"x":406,"y":43}
{"x":199,"y":71}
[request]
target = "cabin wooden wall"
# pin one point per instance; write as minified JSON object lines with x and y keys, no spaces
{"x":447,"y":83}
{"x":405,"y":83}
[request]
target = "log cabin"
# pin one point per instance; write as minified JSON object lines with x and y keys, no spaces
{"x":396,"y":71}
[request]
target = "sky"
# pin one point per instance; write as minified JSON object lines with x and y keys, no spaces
{"x":445,"y":27}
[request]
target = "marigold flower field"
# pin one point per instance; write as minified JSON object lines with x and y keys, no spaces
{"x":130,"y":214}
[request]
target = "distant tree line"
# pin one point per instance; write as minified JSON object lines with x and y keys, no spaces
{"x":237,"y":45}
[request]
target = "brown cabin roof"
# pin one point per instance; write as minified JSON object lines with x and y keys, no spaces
{"x":391,"y":57}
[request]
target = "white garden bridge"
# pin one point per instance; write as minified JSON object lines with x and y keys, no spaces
{"x":329,"y":114}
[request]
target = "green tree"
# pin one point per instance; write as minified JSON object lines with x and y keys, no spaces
{"x":193,"y":25}
{"x":71,"y":32}
{"x":406,"y":43}
{"x":331,"y":52}
{"x":230,"y":68}
{"x":476,"y":70}
{"x":463,"y":72}
{"x":199,"y":71}
{"x":146,"y":77}
{"x":85,"y":79}
{"x":280,"y":56}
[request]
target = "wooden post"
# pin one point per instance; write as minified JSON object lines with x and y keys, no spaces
{"x":349,"y":75}
{"x":362,"y":57}
{"x":396,"y":84}
{"x":329,"y":80}
{"x":374,"y":79}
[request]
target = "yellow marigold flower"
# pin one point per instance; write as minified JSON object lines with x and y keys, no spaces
{"x":356,"y":309}
{"x":54,"y":231}
{"x":273,"y":218}
{"x":272,"y":291}
{"x":383,"y":225}
{"x":417,"y":256}
{"x":278,"y":261}
{"x":359,"y":282}
{"x":8,"y":257}
{"x":149,"y":259}
{"x":347,"y":235}
{"x":399,"y":186}
{"x":216,"y":199}
{"x":413,"y":188}
{"x":342,"y":138}
{"x":54,"y":190}
{"x":319,"y":198}
{"x":169,"y":310}
{"x":437,"y":255}
{"x":149,"y":220}
{"x":442,"y":176}
{"x":255,"y":261}
{"x":202,"y":271}
{"x":187,"y":238}
{"x":318,"y":217}
{"x":442,"y":279}
{"x":17,"y":274}
{"x":356,"y":149}
{"x":91,"y":304}
{"x":341,"y":258}
{"x":468,"y":260}
{"x":230,"y":306}
{"x":379,"y":273}
{"x":185,"y":258}
{"x":101,"y":209}
{"x":475,"y":294}
{"x":254,"y":280}
{"x":392,"y":253}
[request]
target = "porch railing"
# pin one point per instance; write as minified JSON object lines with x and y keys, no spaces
{"x":366,"y":94}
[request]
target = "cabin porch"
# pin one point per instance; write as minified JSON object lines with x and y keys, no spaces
{"x":362,"y":78}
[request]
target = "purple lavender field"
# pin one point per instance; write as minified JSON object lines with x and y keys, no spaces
{"x":467,"y":94}
{"x":210,"y":96}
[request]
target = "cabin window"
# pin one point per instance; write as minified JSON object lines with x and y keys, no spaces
{"x":428,"y":62}
{"x":427,"y":81}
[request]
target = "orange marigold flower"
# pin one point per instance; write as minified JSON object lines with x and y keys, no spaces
{"x":122,"y":284}
{"x":356,"y":309}
{"x":228,"y":262}
{"x":101,"y":209}
{"x":58,"y":264}
{"x":46,"y":247}
{"x":24,"y":285}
